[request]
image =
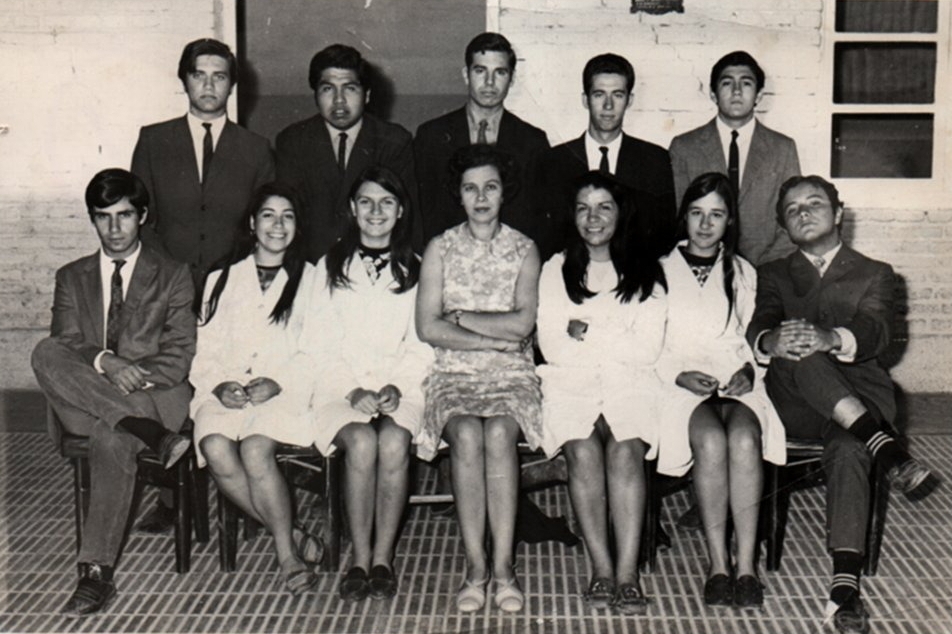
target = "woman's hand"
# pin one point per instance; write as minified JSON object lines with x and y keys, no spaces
{"x":231,"y":394}
{"x":697,"y":382}
{"x":741,"y":383}
{"x":364,"y":401}
{"x":577,"y":329}
{"x":261,"y":389}
{"x":389,"y":399}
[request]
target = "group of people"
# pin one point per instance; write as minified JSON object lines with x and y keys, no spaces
{"x":598,"y":299}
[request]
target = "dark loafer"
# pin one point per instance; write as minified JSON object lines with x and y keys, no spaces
{"x":748,"y":592}
{"x":171,"y":448}
{"x":383,"y":583}
{"x":913,"y":479}
{"x":355,"y":586}
{"x":719,"y":590}
{"x":851,"y":617}
{"x":94,"y":592}
{"x":630,"y":600}
{"x":600,"y":593}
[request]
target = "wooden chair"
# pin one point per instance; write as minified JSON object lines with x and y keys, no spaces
{"x":189,"y":487}
{"x":804,"y":469}
{"x":304,"y":468}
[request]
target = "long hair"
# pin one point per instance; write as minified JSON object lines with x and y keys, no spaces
{"x":403,"y":263}
{"x":294,"y":261}
{"x":715,"y":182}
{"x":637,"y":267}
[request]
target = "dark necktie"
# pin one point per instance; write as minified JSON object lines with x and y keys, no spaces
{"x":603,"y":164}
{"x":207,"y":151}
{"x":115,"y":307}
{"x":342,"y":152}
{"x":733,"y":165}
{"x":481,"y":134}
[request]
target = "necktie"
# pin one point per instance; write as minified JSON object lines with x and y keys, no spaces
{"x":207,"y":151}
{"x":603,"y":164}
{"x":115,"y":307}
{"x":819,"y":263}
{"x":342,"y":152}
{"x":733,"y":165}
{"x":481,"y":134}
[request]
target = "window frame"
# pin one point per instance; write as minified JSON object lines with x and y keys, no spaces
{"x":893,"y":192}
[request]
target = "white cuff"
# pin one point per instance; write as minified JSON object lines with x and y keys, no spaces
{"x":762,"y":357}
{"x":97,"y":362}
{"x":847,"y":351}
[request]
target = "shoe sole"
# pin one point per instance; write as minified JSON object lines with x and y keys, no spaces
{"x":177,"y":452}
{"x":923,"y":489}
{"x":105,"y":606}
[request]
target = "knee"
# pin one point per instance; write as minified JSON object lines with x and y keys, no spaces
{"x":257,"y":454}
{"x":218,"y":451}
{"x":501,"y":434}
{"x":745,"y":442}
{"x":709,"y":442}
{"x":359,"y":441}
{"x":114,"y":446}
{"x":626,"y":458}
{"x":45,"y":355}
{"x":844,"y":452}
{"x":393,"y":444}
{"x":465,"y":436}
{"x":581,"y":454}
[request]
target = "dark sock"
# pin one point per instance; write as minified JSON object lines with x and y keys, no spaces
{"x":880,"y":442}
{"x":847,"y":566}
{"x":145,"y":429}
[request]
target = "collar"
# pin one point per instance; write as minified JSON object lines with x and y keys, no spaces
{"x":198,"y":131}
{"x":351,"y":132}
{"x":105,"y":262}
{"x":593,"y":153}
{"x":828,"y":257}
{"x":492,"y":127}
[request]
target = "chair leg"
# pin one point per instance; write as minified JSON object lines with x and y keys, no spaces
{"x":198,"y":493}
{"x":879,"y":497}
{"x":776,"y":516}
{"x":227,"y":534}
{"x":81,"y":496}
{"x":649,"y":533}
{"x":332,"y":513}
{"x":183,"y":517}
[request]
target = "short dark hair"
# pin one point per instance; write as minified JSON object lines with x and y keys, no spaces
{"x":490,"y":41}
{"x":338,"y":56}
{"x":478,"y":155}
{"x":112,"y":185}
{"x":206,"y":46}
{"x":737,"y":58}
{"x":607,"y":63}
{"x":817,"y":181}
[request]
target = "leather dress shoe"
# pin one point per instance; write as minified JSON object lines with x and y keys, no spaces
{"x":172,"y":447}
{"x":355,"y":586}
{"x":383,"y":582}
{"x":719,"y":590}
{"x":851,"y":617}
{"x":94,"y":591}
{"x":913,"y":479}
{"x":160,"y":520}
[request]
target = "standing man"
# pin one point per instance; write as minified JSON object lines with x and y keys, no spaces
{"x":201,"y":169}
{"x":755,"y":158}
{"x":114,"y":368}
{"x":322,"y":156}
{"x":822,"y":321}
{"x":608,"y":83}
{"x":488,"y":74}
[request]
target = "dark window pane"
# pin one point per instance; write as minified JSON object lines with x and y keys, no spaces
{"x":882,"y":146}
{"x":887,"y":16}
{"x":867,"y":72}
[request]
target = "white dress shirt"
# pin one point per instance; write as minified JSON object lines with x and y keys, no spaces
{"x":351,"y":133}
{"x":744,"y":135}
{"x":106,"y":268}
{"x":594,"y":154}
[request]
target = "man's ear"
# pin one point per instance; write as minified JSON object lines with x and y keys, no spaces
{"x":143,"y":216}
{"x":584,"y":100}
{"x":838,"y":217}
{"x":367,"y":96}
{"x":760,"y":95}
{"x":465,"y":71}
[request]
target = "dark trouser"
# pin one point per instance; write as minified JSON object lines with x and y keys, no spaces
{"x":89,"y":405}
{"x":804,"y":393}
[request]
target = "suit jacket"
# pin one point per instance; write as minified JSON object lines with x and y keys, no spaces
{"x":306,"y":161}
{"x":157,"y":325}
{"x":856,"y":293}
{"x":436,"y":141}
{"x":771,"y":159}
{"x":194,"y":222}
{"x":643,"y":167}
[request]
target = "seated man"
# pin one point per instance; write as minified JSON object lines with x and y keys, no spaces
{"x":114,"y":368}
{"x":822,"y":321}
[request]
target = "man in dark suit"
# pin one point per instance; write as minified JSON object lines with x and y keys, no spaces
{"x":489,"y":71}
{"x":822,"y":321}
{"x":608,"y":83}
{"x":201,"y":169}
{"x":114,"y":368}
{"x":322,"y":156}
{"x":757,"y":159}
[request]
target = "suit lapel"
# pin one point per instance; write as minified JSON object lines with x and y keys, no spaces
{"x":804,"y":275}
{"x":142,"y":277}
{"x":758,"y":157}
{"x":843,"y":263}
{"x":711,"y":147}
{"x":183,"y":150}
{"x":227,"y":146}
{"x":90,"y":283}
{"x":577,"y":150}
{"x":458,"y":129}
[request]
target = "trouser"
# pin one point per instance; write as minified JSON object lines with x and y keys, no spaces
{"x":89,"y":405}
{"x":804,"y":393}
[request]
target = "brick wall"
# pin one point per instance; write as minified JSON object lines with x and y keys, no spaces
{"x":672,"y":55}
{"x":79,"y":79}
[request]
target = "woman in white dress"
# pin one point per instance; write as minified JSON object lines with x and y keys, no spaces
{"x":251,"y":390}
{"x":717,"y":414}
{"x":368,"y":397}
{"x":601,"y":326}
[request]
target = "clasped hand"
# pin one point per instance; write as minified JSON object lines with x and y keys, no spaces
{"x":795,"y":339}
{"x":385,"y":401}
{"x":703,"y":384}
{"x":234,"y":395}
{"x":124,"y":374}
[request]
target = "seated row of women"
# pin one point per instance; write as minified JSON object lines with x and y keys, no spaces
{"x":373,"y":352}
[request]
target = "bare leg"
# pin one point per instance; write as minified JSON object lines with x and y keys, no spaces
{"x":359,"y":443}
{"x":270,"y":496}
{"x":502,"y":489}
{"x":465,"y":437}
{"x":746,"y":481}
{"x":627,"y":498}
{"x":586,"y":467}
{"x":225,"y":464}
{"x":709,"y":446}
{"x":393,"y":462}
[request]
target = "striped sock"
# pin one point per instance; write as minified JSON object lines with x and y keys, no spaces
{"x":880,"y":443}
{"x":846,"y":569}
